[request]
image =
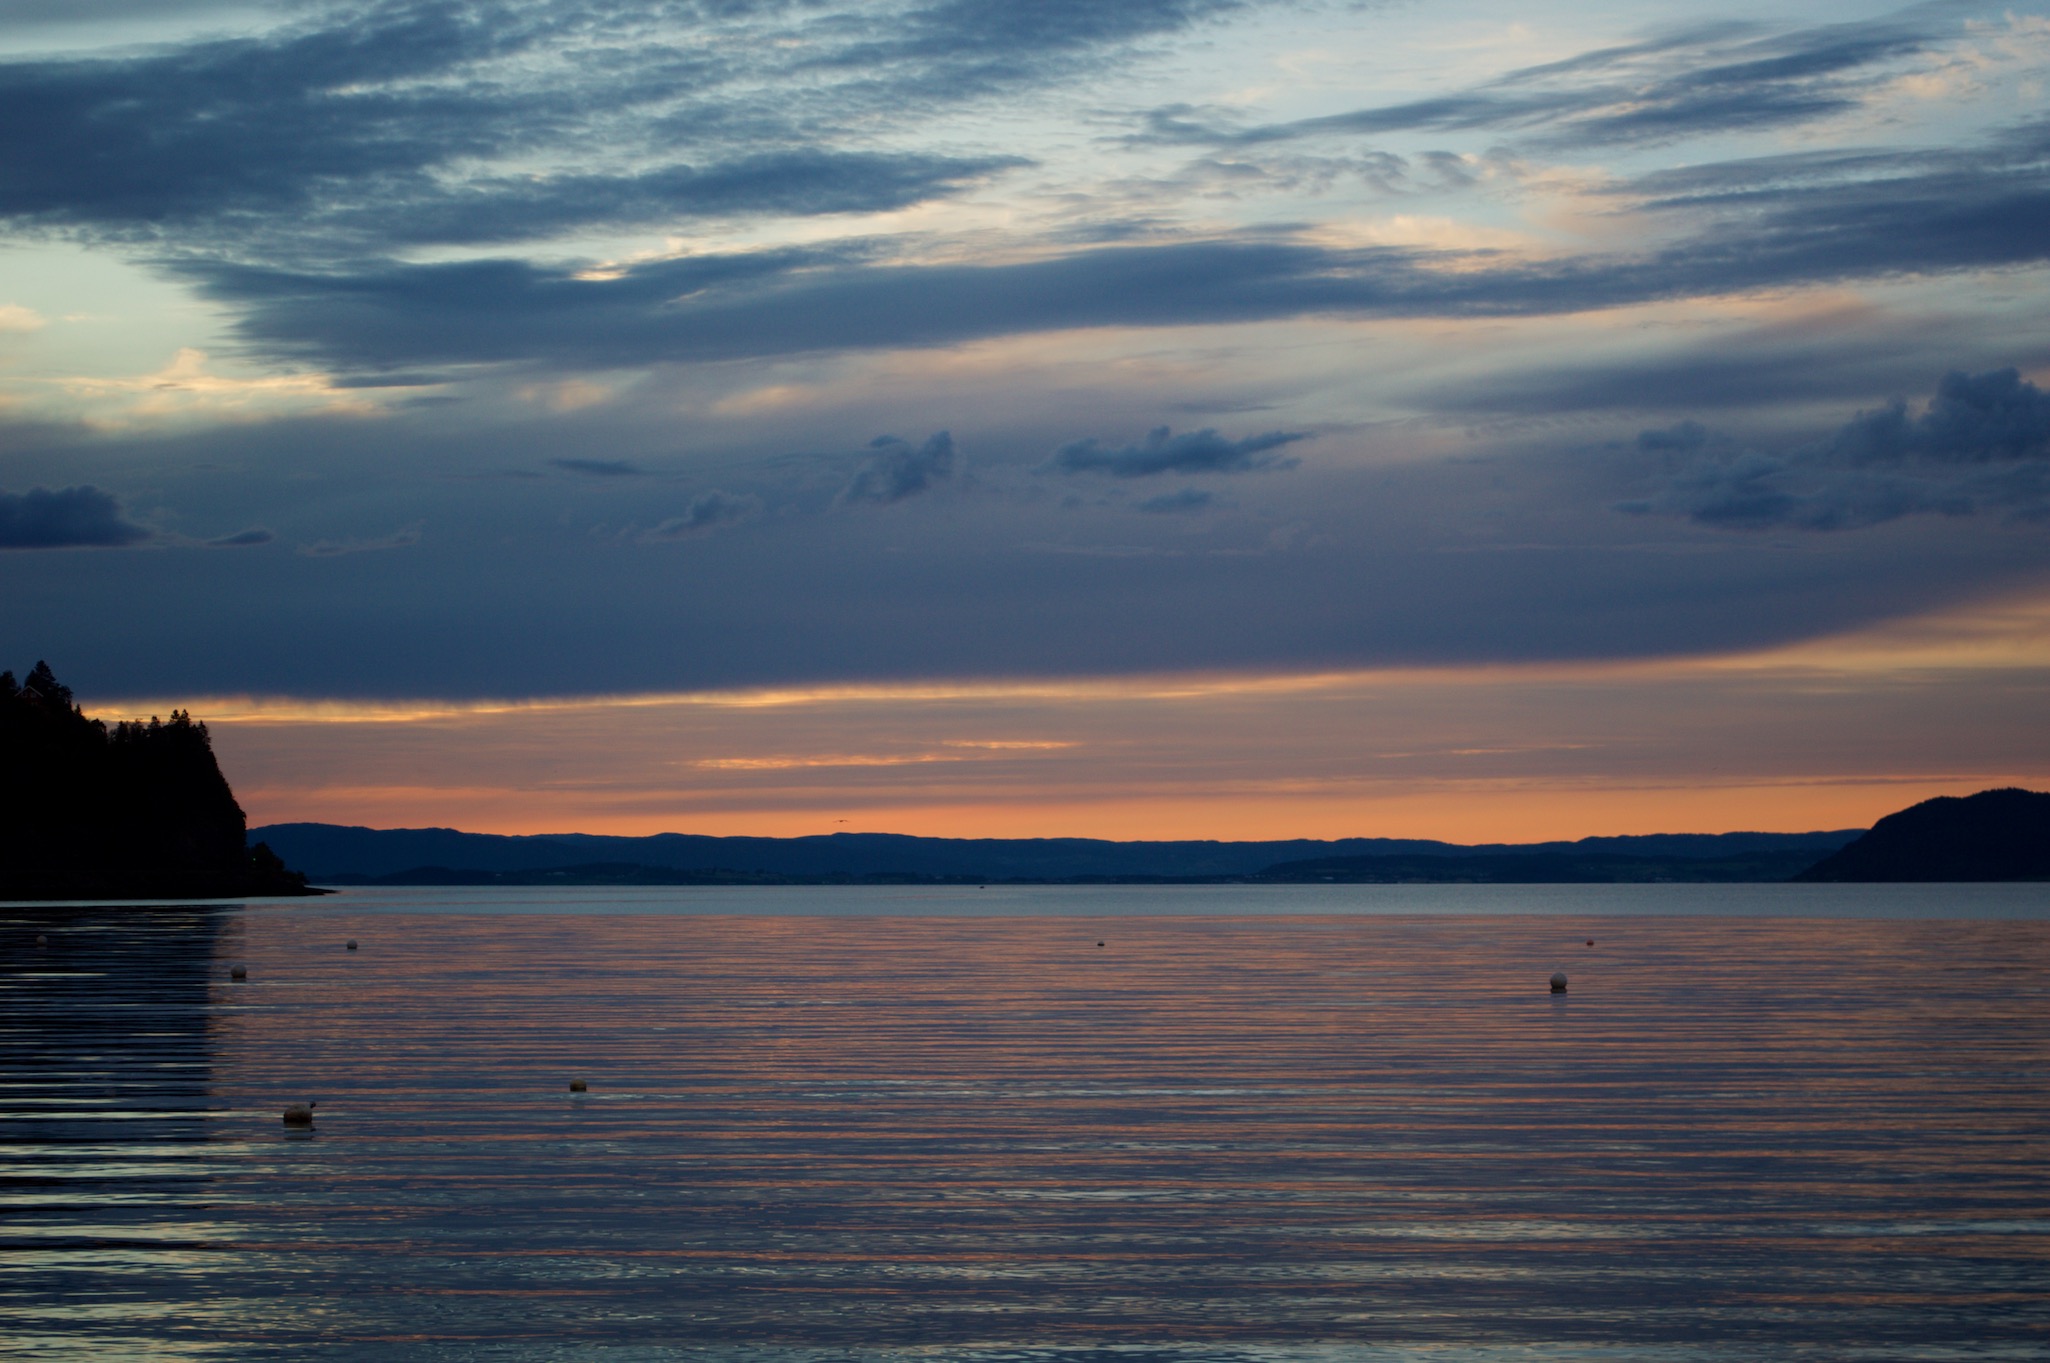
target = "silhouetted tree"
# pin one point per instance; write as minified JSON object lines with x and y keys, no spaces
{"x":142,"y":811}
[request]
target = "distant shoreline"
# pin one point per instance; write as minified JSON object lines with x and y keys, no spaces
{"x":92,"y":889}
{"x":1995,"y":835}
{"x":1460,"y":874}
{"x":348,"y":856}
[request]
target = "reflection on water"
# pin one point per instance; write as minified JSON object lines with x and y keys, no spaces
{"x":1211,"y":1138}
{"x":105,"y":1160}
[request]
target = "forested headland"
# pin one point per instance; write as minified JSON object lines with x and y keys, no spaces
{"x":136,"y":811}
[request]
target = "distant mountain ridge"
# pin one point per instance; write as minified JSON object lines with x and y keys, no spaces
{"x":1545,"y":868}
{"x":340,"y":854}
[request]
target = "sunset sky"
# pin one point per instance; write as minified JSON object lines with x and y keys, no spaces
{"x":1122,"y":418}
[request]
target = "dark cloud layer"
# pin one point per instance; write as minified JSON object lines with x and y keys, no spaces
{"x":292,"y":179}
{"x":282,"y":173}
{"x":38,"y":13}
{"x":365,"y":129}
{"x":1981,"y":207}
{"x":1982,"y":443}
{"x":797,"y":183}
{"x":68,"y":518}
{"x":1203,"y":451}
{"x":1397,"y":563}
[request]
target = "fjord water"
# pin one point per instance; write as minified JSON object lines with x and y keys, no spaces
{"x":823,"y":1124}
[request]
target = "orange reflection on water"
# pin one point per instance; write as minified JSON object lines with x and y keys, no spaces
{"x":991,"y":1133}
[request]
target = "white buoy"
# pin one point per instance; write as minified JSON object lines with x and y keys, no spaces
{"x":300,"y":1114}
{"x":577,"y":1086}
{"x":1558,"y":982}
{"x":239,"y":973}
{"x":352,"y":944}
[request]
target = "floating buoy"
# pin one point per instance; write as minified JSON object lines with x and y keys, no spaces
{"x":1558,"y":982}
{"x":1099,"y":944}
{"x":41,"y":940}
{"x":351,"y":944}
{"x":1590,"y":941}
{"x":300,"y":1114}
{"x":577,"y":1086}
{"x":239,"y":973}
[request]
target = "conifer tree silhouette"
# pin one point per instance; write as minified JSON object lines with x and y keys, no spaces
{"x":141,"y":810}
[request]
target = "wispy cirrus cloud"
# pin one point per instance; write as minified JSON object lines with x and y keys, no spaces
{"x":1766,"y":224}
{"x":1710,"y":79}
{"x":354,"y":129}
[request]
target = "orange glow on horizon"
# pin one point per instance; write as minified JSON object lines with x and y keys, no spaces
{"x":1830,"y":733}
{"x":1446,"y":814}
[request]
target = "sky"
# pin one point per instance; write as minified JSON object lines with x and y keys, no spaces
{"x":1163,"y":418}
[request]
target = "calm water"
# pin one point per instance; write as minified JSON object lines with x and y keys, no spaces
{"x":1281,"y":1124}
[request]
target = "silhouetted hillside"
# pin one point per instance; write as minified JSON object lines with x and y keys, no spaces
{"x":1994,"y":835}
{"x":138,"y":812}
{"x":337,"y":855}
{"x":1540,"y":868}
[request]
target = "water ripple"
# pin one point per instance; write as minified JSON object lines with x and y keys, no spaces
{"x":1265,"y":1139}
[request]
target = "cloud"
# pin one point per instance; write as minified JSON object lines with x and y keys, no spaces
{"x":1972,"y":419}
{"x":69,"y":518}
{"x":405,"y":537}
{"x":37,"y":13}
{"x":600,"y":468}
{"x":802,"y":182}
{"x":707,"y":511}
{"x":289,"y":174}
{"x":186,"y":386}
{"x":1185,"y":502}
{"x":227,"y":127}
{"x":1685,"y":438}
{"x":1747,"y":490}
{"x":959,"y":46}
{"x":410,"y":122}
{"x":1773,"y":360}
{"x":1203,"y":451}
{"x":1766,"y":226}
{"x":242,"y":540}
{"x":15,"y":317}
{"x":1717,"y":78}
{"x":1981,"y":443}
{"x":894,"y":470}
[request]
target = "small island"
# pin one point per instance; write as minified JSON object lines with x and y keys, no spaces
{"x":138,"y":811}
